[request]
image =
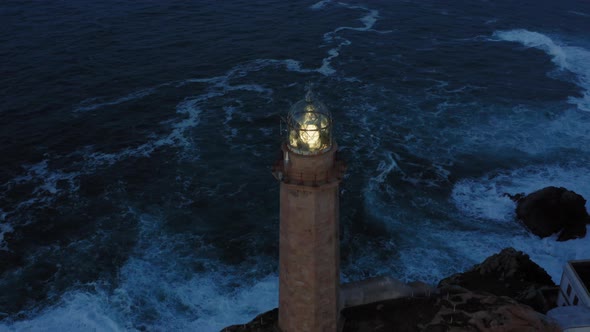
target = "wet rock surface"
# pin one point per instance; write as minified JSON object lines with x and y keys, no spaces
{"x":509,"y":273}
{"x":450,"y":310}
{"x":266,"y":322}
{"x":553,"y":210}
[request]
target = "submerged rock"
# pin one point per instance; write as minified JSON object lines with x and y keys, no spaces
{"x":509,"y":273}
{"x":554,"y":210}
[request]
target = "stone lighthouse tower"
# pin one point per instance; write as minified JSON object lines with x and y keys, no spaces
{"x":309,"y":258}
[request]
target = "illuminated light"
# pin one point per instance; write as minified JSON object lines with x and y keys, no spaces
{"x":310,"y":131}
{"x":309,"y":126}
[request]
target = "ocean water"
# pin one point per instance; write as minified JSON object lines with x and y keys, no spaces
{"x":136,"y":140}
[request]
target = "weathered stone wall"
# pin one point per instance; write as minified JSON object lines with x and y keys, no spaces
{"x":309,"y":252}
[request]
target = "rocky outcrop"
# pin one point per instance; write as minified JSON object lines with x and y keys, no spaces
{"x":266,"y":322}
{"x":509,"y":273}
{"x":492,"y":297}
{"x":553,"y":210}
{"x":450,"y":310}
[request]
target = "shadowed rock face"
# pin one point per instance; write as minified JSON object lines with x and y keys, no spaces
{"x":450,"y":310}
{"x":553,"y":210}
{"x":509,"y":273}
{"x":266,"y":322}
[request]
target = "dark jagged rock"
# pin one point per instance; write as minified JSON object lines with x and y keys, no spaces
{"x":554,"y":210}
{"x":266,"y":322}
{"x":450,"y":310}
{"x":509,"y":273}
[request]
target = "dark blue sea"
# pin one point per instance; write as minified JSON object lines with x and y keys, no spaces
{"x":136,"y":139}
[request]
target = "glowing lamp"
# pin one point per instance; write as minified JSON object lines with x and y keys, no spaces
{"x":309,"y":125}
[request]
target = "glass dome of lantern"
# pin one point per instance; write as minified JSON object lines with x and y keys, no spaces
{"x":309,"y":126}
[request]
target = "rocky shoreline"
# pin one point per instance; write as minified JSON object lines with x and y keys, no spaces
{"x":506,"y":292}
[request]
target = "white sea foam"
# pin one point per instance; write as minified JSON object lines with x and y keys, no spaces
{"x":199,"y":80}
{"x":293,"y":65}
{"x":483,"y":224}
{"x":326,"y":69}
{"x":465,"y":248}
{"x":250,"y":87}
{"x":219,"y":309}
{"x":536,"y":40}
{"x":191,"y":111}
{"x":385,"y":167}
{"x":578,"y":13}
{"x":76,"y":312}
{"x":490,"y":130}
{"x":572,"y":58}
{"x":432,"y":251}
{"x":95,"y":103}
{"x":158,"y":290}
{"x":194,"y":305}
{"x":51,"y":182}
{"x":48,"y":184}
{"x":51,"y":178}
{"x":4,"y":228}
{"x":158,"y":276}
{"x":482,"y":197}
{"x":231,"y":133}
{"x":320,"y":4}
{"x":481,"y":200}
{"x":368,"y":21}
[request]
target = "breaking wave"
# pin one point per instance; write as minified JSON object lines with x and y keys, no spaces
{"x":572,"y":58}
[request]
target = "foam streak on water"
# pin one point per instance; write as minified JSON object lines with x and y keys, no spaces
{"x":566,"y":57}
{"x":320,"y":4}
{"x":97,"y":102}
{"x":4,"y":228}
{"x":368,"y":20}
{"x":189,"y":111}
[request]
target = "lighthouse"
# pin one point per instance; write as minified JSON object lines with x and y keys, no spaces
{"x":309,"y":254}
